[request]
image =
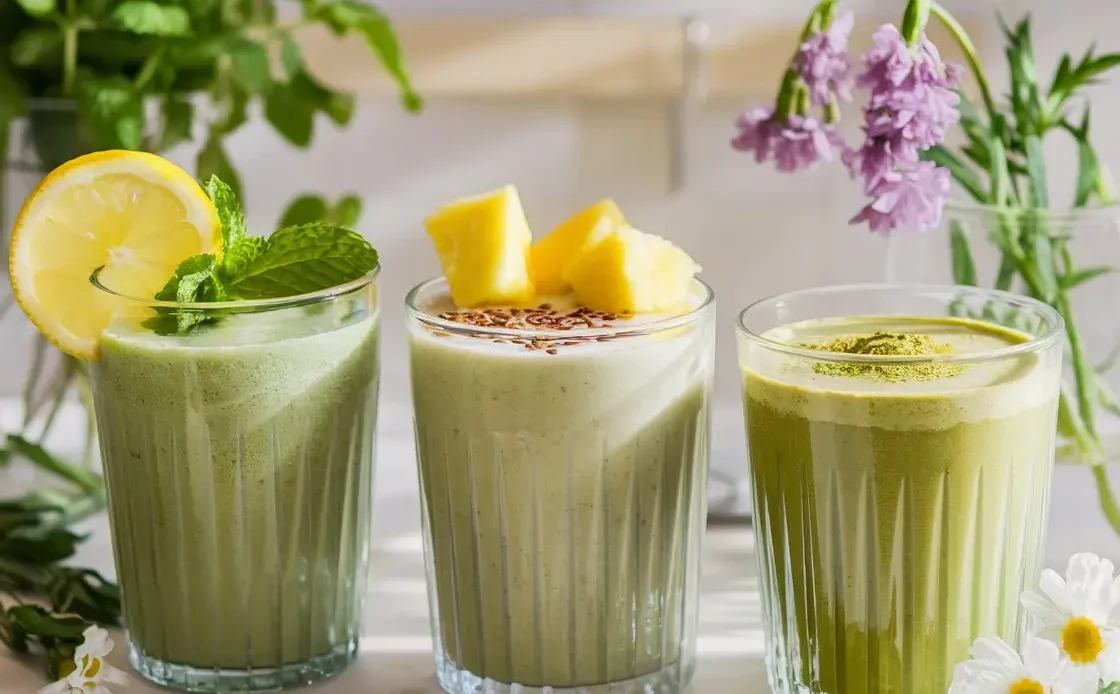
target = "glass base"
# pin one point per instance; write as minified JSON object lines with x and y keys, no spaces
{"x":262,"y":679}
{"x":671,"y":679}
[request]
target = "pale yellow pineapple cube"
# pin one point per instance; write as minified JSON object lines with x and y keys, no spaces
{"x":630,"y":271}
{"x":552,"y":256}
{"x":483,"y":244}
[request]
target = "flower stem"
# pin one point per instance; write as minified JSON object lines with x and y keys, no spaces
{"x":965,"y":42}
{"x":70,"y":48}
{"x":1104,"y":491}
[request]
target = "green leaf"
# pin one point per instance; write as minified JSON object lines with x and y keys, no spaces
{"x":33,"y":45}
{"x":82,"y":477}
{"x":114,"y":111}
{"x":12,"y":104}
{"x":1105,"y":397}
{"x":35,"y":620}
{"x":964,"y":270}
{"x":347,"y":211}
{"x":241,"y":254}
{"x":1006,"y":272}
{"x":195,"y":280}
{"x":230,"y":215}
{"x":291,"y":57}
{"x":232,"y":106}
{"x":251,"y":67}
{"x":177,"y":115}
{"x":349,"y":15}
{"x":338,"y":106}
{"x":1036,"y":169}
{"x":291,"y":115}
{"x":997,"y":172}
{"x":304,"y":210}
{"x":963,"y":175}
{"x":147,"y":17}
{"x":37,"y":8}
{"x":212,"y":160}
{"x":303,"y":259}
{"x":1079,"y":277}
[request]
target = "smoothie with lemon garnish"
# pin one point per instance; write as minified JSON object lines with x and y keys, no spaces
{"x":235,"y":383}
{"x":898,"y":505}
{"x":562,"y":445}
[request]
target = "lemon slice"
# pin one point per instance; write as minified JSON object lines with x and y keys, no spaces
{"x":136,"y":214}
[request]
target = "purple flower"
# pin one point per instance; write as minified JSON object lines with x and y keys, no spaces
{"x":912,"y":103}
{"x":797,"y":143}
{"x":910,"y":199}
{"x":824,"y":63}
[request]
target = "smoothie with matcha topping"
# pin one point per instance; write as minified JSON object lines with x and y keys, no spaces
{"x":900,"y":468}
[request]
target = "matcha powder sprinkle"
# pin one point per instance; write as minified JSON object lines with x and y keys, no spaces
{"x":888,"y":344}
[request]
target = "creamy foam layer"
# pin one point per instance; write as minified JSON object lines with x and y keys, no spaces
{"x":593,"y":332}
{"x":987,"y":388}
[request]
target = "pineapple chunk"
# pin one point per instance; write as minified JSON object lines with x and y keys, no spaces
{"x":633,"y":272}
{"x":551,"y":257}
{"x":483,"y":244}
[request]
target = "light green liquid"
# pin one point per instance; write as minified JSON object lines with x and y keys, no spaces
{"x":238,"y":465}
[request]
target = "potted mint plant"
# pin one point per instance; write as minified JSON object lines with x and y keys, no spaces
{"x":924,"y":138}
{"x":144,"y":75}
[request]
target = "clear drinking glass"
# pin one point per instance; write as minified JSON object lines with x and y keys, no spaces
{"x":900,"y":501}
{"x":563,"y":485}
{"x":238,"y":461}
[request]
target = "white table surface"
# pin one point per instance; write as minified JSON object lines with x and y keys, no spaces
{"x":396,"y":648}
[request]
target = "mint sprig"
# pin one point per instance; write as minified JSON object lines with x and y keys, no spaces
{"x":294,"y":260}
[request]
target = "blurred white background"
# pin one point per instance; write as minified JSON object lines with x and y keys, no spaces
{"x":573,"y":100}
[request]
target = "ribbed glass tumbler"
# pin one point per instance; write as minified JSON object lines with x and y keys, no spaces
{"x":901,"y":443}
{"x":237,"y":440}
{"x":563,"y":478}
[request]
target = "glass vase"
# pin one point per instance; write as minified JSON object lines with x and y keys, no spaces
{"x":32,"y":368}
{"x":1068,"y":259}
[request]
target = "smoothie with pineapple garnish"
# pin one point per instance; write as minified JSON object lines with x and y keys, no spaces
{"x":235,"y":388}
{"x":562,"y":442}
{"x":900,"y":507}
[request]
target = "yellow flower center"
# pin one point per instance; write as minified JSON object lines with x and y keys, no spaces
{"x":1081,"y":640}
{"x":90,"y":666}
{"x":1026,"y":686}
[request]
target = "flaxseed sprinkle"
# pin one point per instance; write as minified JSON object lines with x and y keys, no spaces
{"x":543,"y":318}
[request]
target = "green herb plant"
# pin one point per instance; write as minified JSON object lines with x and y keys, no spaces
{"x":46,"y":604}
{"x":153,"y":74}
{"x":1001,"y":165}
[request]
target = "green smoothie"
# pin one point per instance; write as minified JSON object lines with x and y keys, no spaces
{"x":899,"y":509}
{"x":563,"y":490}
{"x":238,"y":461}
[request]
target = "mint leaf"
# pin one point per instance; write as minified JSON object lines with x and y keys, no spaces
{"x":251,"y":65}
{"x":177,"y":113}
{"x":241,"y":254}
{"x":37,"y":8}
{"x":304,"y":210}
{"x":196,"y":280}
{"x":147,"y":17}
{"x":305,"y":258}
{"x":291,"y":113}
{"x":229,"y":212}
{"x":347,"y":211}
{"x":114,"y":110}
{"x":35,"y":44}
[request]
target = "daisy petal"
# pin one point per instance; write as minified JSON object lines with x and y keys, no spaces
{"x":1053,"y":587}
{"x":1042,"y":607}
{"x":996,"y":650}
{"x":112,"y":675}
{"x":59,"y":687}
{"x":1108,"y":662}
{"x":1041,"y":659}
{"x":1077,"y":680}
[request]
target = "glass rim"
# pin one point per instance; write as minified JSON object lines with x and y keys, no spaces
{"x":633,"y":329}
{"x":1055,"y":324}
{"x":1110,"y":211}
{"x":304,"y":299}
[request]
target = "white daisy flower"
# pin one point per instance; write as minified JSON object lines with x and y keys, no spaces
{"x":1080,"y":614}
{"x":91,"y":670}
{"x":996,"y":668}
